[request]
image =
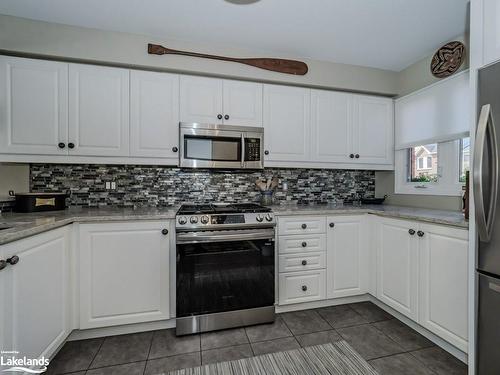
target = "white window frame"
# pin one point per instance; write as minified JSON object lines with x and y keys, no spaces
{"x":448,"y":169}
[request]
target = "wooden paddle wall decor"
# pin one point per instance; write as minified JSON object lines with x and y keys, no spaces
{"x":276,"y":65}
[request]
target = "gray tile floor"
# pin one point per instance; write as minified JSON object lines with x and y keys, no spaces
{"x":388,"y":345}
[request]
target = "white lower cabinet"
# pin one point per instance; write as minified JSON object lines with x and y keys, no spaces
{"x":347,"y":256}
{"x":397,"y":265}
{"x":124,"y":273}
{"x":35,"y":294}
{"x":443,"y":283}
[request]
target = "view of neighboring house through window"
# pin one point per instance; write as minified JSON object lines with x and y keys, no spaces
{"x":423,"y":163}
{"x":464,"y":158}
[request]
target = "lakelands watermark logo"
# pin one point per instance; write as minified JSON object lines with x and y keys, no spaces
{"x":10,"y":363}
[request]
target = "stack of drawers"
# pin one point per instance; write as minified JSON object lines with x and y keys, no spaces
{"x":302,"y":259}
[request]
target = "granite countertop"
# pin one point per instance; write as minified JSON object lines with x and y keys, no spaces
{"x":25,"y":225}
{"x":453,"y":218}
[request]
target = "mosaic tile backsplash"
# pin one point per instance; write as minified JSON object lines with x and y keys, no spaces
{"x":160,"y":186}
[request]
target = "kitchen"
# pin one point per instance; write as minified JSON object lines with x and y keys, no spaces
{"x":163,"y":209}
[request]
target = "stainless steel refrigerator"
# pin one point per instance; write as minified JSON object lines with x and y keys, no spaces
{"x":487,"y":210}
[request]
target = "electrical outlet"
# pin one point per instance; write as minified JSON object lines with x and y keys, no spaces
{"x":113,"y":185}
{"x":108,"y":185}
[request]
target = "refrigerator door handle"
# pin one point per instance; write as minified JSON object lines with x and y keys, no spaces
{"x":485,"y":137}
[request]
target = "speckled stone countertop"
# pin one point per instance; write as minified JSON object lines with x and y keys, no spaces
{"x":453,"y":218}
{"x":25,"y":225}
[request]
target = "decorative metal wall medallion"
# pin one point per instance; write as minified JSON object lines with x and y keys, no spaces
{"x":448,"y":59}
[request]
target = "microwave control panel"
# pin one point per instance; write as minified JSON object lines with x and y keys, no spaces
{"x":252,"y":149}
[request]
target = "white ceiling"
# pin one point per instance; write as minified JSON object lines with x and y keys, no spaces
{"x":387,"y":34}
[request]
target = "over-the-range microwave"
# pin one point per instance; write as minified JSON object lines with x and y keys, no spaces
{"x":220,"y":146}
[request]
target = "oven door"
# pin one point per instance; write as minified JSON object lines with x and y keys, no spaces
{"x":220,"y":146}
{"x":220,"y":271}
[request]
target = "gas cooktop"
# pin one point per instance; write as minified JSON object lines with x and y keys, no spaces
{"x":223,"y":208}
{"x":223,"y":216}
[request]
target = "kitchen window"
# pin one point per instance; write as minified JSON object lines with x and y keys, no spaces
{"x":433,"y":168}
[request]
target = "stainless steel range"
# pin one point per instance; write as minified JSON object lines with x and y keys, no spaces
{"x":225,"y":266}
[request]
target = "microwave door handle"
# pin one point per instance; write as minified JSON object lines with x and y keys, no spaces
{"x":485,"y":136}
{"x":242,"y":150}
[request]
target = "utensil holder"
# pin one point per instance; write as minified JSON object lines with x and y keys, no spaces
{"x":266,"y":198}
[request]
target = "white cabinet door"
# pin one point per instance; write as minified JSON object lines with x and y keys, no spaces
{"x":287,"y":123}
{"x":242,"y":103}
{"x":347,"y":256}
{"x":443,"y":283}
{"x":98,"y":110}
{"x":397,"y":266}
{"x":331,"y":121}
{"x":36,"y":294}
{"x":491,"y":31}
{"x":154,"y":115}
{"x":33,"y":106}
{"x":124,"y":273}
{"x":201,"y":100}
{"x":373,"y":139}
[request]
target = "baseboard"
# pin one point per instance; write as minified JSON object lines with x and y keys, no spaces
{"x":323,"y":303}
{"x":92,"y":333}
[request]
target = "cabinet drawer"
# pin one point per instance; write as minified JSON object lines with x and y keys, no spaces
{"x":301,"y":244}
{"x":299,"y":225}
{"x":297,"y":287}
{"x":302,"y":261}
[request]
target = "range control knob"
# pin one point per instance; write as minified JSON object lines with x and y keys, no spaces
{"x":269,"y":217}
{"x":182,"y":220}
{"x":259,"y":218}
{"x":193,"y":219}
{"x":204,"y":219}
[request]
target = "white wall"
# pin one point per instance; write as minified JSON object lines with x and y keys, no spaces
{"x":69,"y":42}
{"x":13,"y":177}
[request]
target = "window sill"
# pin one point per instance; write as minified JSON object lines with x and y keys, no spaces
{"x":455,"y":191}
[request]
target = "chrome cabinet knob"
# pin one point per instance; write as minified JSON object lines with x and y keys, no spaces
{"x":351,"y":156}
{"x":71,"y":145}
{"x":357,"y":156}
{"x":304,"y":288}
{"x":411,"y":231}
{"x":304,"y":262}
{"x":226,"y":117}
{"x":420,"y":233}
{"x":164,"y":232}
{"x":13,"y":260}
{"x":61,"y":145}
{"x":266,"y":152}
{"x":304,"y":244}
{"x":175,"y":149}
{"x":304,"y":226}
{"x":219,"y":116}
{"x":331,"y":225}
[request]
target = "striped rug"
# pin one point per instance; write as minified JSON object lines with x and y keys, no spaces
{"x":328,"y":359}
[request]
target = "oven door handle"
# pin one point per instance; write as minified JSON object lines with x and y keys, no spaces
{"x":236,"y":235}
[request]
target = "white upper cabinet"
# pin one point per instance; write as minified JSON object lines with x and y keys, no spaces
{"x":331,"y":122}
{"x":33,"y":106}
{"x":443,"y":283}
{"x":36,"y":294}
{"x":373,"y":130}
{"x":217,"y":101}
{"x":154,"y":114}
{"x":491,"y":31}
{"x":347,"y":258}
{"x":98,"y":110}
{"x":397,"y":265}
{"x":242,"y":103}
{"x":287,"y":123}
{"x":201,"y":100}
